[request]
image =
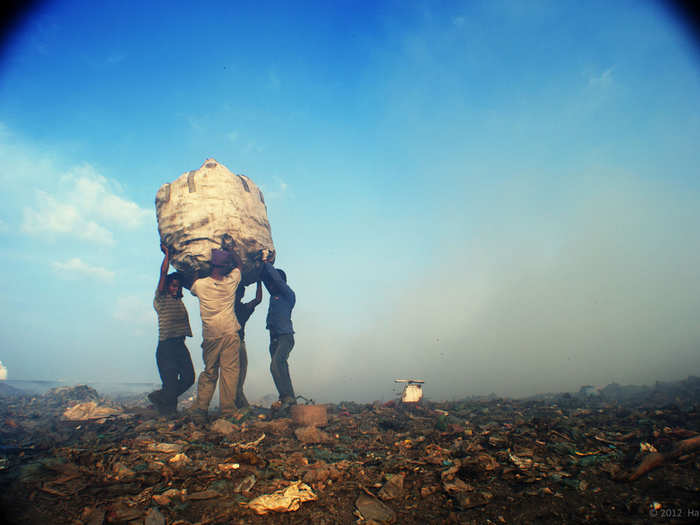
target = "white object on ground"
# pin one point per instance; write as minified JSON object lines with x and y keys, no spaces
{"x":89,"y":410}
{"x":284,"y":500}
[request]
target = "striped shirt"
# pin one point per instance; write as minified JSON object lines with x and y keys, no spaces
{"x":172,"y":317}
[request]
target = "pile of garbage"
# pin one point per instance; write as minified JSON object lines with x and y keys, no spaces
{"x":561,"y":459}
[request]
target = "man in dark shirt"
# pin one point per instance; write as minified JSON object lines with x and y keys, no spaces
{"x":243,"y":313}
{"x":279,"y":323}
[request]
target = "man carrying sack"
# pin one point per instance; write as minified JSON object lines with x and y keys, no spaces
{"x":220,"y":345}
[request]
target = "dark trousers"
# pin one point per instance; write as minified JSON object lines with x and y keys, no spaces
{"x":280,"y":348}
{"x":241,"y":401}
{"x":175,"y":369}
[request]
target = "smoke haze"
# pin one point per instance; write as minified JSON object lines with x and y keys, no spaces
{"x":489,"y":196}
{"x":604,"y":291}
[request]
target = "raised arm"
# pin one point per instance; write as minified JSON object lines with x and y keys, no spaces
{"x":258,"y":294}
{"x":236,"y":260}
{"x":163,"y":269}
{"x":187,"y":280}
{"x":229,"y":244}
{"x":279,"y":285}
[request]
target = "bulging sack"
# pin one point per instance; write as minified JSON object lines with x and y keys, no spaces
{"x":198,"y":209}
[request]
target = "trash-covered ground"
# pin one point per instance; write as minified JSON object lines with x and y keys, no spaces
{"x":70,"y":456}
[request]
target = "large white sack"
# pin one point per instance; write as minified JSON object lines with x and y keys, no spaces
{"x":200,"y":206}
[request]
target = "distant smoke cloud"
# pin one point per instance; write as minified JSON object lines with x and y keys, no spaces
{"x":3,"y":372}
{"x":605,"y":291}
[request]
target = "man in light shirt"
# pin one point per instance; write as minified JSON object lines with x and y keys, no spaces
{"x":220,"y":345}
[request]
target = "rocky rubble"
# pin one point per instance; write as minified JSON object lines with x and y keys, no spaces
{"x":561,"y":459}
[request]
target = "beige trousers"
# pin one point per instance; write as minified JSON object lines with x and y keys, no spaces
{"x":221,"y":353}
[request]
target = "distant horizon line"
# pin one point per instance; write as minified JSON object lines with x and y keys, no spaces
{"x":73,"y":382}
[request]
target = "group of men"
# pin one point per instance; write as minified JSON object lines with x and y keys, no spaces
{"x":224,"y":315}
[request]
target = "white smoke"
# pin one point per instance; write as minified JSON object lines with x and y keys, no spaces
{"x":3,"y":372}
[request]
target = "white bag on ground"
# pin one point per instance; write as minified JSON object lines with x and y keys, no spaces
{"x":200,"y":207}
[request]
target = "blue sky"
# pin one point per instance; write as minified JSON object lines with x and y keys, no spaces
{"x":491,"y":196}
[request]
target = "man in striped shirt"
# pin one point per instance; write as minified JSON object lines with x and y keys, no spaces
{"x":172,"y":356}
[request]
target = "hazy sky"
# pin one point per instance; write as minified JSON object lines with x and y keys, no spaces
{"x":492,"y":196}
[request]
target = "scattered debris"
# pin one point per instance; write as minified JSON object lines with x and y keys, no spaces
{"x":246,"y":484}
{"x":227,"y":467}
{"x":89,"y":410}
{"x":284,"y":500}
{"x":656,"y":459}
{"x":647,"y":447}
{"x":309,"y":415}
{"x":370,"y":509}
{"x":165,"y":448}
{"x":559,"y":458}
{"x":154,"y":517}
{"x":223,"y":426}
{"x":312,"y":435}
{"x":179,"y":460}
{"x":69,"y":394}
{"x":393,"y":488}
{"x":520,"y":462}
{"x":250,"y":445}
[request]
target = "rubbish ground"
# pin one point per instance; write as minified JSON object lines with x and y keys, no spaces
{"x":615,"y":455}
